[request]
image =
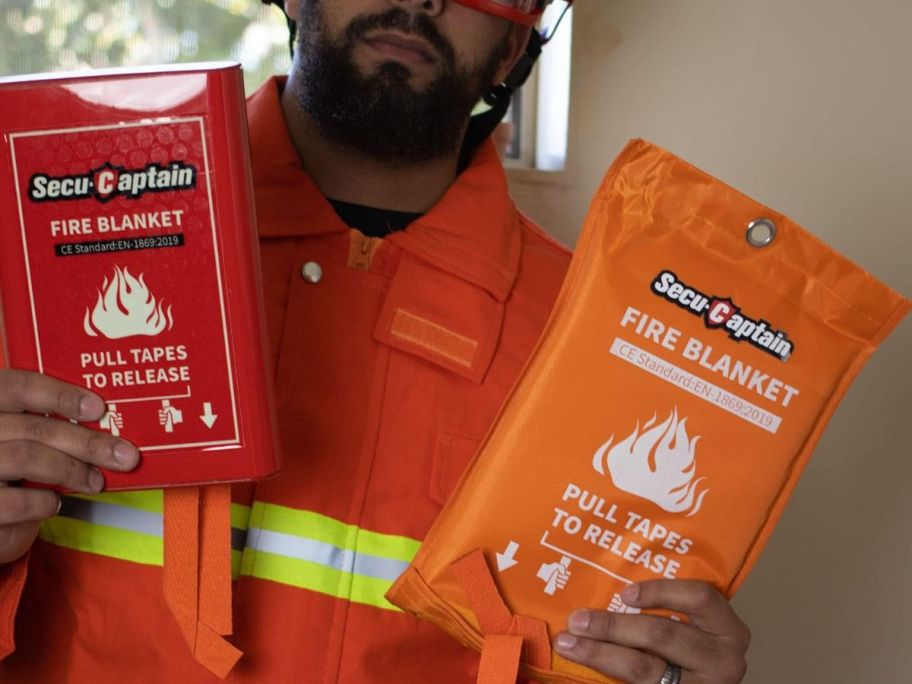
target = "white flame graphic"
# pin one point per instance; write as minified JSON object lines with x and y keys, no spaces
{"x":658,"y":465}
{"x":126,"y":307}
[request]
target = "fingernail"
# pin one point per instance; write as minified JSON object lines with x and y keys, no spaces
{"x":91,"y":407}
{"x":579,"y":621}
{"x":126,"y":454}
{"x":565,"y":642}
{"x":96,"y":480}
{"x":630,"y":594}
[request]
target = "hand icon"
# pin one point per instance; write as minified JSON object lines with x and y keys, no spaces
{"x":168,"y":416}
{"x":112,"y":420}
{"x":554,"y":575}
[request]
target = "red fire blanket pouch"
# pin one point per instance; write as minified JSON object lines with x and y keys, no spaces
{"x":129,"y":262}
{"x":130,"y":267}
{"x":698,"y":348}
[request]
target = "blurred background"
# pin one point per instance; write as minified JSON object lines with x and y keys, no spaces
{"x":805,"y":106}
{"x":48,"y":35}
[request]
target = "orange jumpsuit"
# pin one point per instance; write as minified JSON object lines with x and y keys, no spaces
{"x":390,"y":364}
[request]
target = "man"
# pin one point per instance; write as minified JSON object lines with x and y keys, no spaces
{"x":403,"y":294}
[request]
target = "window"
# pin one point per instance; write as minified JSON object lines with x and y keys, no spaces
{"x":539,"y":113}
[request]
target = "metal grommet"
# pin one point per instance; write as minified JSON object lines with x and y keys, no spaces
{"x":761,"y":233}
{"x":311,"y":272}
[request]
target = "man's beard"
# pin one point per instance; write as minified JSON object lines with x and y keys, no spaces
{"x":380,"y":115}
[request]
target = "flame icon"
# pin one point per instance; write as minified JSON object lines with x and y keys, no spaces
{"x":658,"y":465}
{"x":126,"y":307}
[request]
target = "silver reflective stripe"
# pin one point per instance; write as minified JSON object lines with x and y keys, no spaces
{"x":126,"y":518}
{"x":111,"y":515}
{"x":325,"y":554}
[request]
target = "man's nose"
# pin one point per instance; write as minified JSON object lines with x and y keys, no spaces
{"x":430,"y":7}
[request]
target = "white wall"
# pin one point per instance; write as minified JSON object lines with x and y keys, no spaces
{"x":806,"y":106}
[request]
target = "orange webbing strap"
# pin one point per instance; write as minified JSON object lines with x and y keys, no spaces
{"x":505,"y":634}
{"x":500,"y":658}
{"x":197,"y":572}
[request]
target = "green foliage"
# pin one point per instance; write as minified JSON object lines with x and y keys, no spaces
{"x":54,"y":35}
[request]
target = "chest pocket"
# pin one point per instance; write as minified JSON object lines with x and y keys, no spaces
{"x":452,"y":455}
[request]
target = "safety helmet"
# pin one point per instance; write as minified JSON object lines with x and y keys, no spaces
{"x":526,"y":12}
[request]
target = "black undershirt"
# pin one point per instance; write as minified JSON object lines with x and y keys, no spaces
{"x":371,"y":221}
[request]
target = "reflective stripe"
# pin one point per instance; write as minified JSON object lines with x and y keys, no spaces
{"x":121,"y":517}
{"x":147,"y":500}
{"x":310,"y":525}
{"x":298,"y":548}
{"x":321,"y":553}
{"x":104,"y":541}
{"x":309,"y":550}
{"x":126,"y":526}
{"x":151,"y":500}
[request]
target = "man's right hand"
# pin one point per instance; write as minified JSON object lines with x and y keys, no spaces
{"x":49,"y":451}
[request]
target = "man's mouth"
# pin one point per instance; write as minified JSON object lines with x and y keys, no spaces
{"x":401,"y":47}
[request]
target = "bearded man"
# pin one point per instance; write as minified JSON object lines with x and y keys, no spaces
{"x":403,"y":292}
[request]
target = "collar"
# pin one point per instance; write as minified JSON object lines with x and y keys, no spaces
{"x":472,"y":232}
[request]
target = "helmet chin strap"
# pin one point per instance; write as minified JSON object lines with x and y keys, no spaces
{"x":518,"y":76}
{"x":498,"y":99}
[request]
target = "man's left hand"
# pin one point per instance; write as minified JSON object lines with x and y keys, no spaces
{"x":710,"y":649}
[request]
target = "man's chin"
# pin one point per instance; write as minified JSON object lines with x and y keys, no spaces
{"x":393,"y":71}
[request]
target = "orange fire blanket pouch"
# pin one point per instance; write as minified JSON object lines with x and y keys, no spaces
{"x":699,"y":346}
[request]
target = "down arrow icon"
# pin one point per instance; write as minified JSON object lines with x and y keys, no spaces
{"x":507,"y":560}
{"x":208,"y":418}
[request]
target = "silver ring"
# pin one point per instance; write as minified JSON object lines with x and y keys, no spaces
{"x":761,"y":232}
{"x":672,"y":674}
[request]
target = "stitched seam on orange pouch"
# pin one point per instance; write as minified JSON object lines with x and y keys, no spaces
{"x":429,"y":335}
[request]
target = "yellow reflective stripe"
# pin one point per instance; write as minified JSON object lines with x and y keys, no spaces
{"x":322,"y":528}
{"x":123,"y":525}
{"x":240,"y":516}
{"x":387,"y":545}
{"x":112,"y":542}
{"x":297,"y":573}
{"x":297,"y":548}
{"x":300,"y":523}
{"x":147,"y":500}
{"x":102,"y":540}
{"x":236,"y":556}
{"x":316,"y":577}
{"x":312,"y":551}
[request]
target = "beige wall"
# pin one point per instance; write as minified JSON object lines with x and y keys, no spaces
{"x":806,"y":106}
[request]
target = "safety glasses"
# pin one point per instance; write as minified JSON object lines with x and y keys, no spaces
{"x":522,"y":11}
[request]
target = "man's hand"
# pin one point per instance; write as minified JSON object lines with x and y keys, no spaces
{"x":48,"y":450}
{"x":637,"y":648}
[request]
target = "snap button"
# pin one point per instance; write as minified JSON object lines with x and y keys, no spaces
{"x":311,"y":272}
{"x":761,"y":232}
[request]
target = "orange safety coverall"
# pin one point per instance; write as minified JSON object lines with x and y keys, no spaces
{"x":389,"y":370}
